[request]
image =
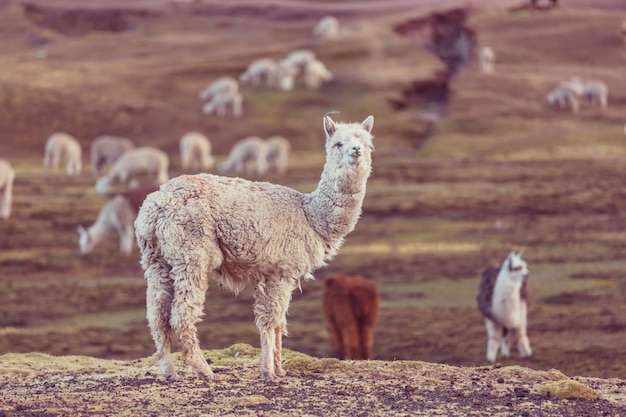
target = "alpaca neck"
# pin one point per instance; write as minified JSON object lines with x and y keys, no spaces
{"x":506,"y":298}
{"x":333,"y":209}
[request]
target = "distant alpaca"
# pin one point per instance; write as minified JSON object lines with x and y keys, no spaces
{"x":63,"y":147}
{"x":503,"y":301}
{"x":563,"y":97}
{"x":222,"y":85}
{"x":326,"y":28}
{"x":315,"y":73}
{"x":486,"y":60}
{"x":7,"y":176}
{"x":595,"y":92}
{"x":269,"y":73}
{"x":350,"y":305}
{"x":222,"y":103}
{"x":299,"y":59}
{"x":240,"y":232}
{"x":195,"y":152}
{"x":246,"y":156}
{"x":277,"y":154}
{"x":106,"y":150}
{"x":117,"y":215}
{"x":133,"y":164}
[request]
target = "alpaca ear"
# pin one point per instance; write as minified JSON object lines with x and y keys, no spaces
{"x":368,"y":124}
{"x":329,"y":126}
{"x":81,"y":230}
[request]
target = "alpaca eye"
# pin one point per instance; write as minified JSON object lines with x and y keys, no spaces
{"x":517,"y":268}
{"x":339,"y":144}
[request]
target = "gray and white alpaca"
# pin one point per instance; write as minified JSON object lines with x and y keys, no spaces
{"x":7,"y":176}
{"x":503,"y":301}
{"x":105,"y":150}
{"x":116,"y":216}
{"x":240,"y":232}
{"x":63,"y":147}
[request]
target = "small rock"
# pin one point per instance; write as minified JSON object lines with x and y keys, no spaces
{"x":521,"y":392}
{"x":500,"y":380}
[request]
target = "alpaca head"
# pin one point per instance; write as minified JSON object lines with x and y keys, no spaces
{"x":349,"y":145}
{"x":516,"y":267}
{"x":85,"y":242}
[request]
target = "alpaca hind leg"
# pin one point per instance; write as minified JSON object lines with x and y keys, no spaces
{"x":508,"y":339}
{"x":352,"y":340}
{"x":159,"y":303}
{"x":336,"y":340}
{"x":270,"y":310}
{"x":367,"y":340}
{"x":190,"y":286}
{"x":494,"y":335}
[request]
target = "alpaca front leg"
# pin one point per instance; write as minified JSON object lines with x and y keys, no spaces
{"x":494,"y":335}
{"x":278,"y":353}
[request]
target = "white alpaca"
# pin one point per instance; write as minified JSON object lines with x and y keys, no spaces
{"x":133,"y":164}
{"x":563,"y":97}
{"x":300,"y":59}
{"x":106,"y":150}
{"x":222,"y":85}
{"x":63,"y":147}
{"x":116,"y":216}
{"x":486,"y":60}
{"x":221,"y":104}
{"x":326,"y":28}
{"x":269,"y":73}
{"x":277,"y":154}
{"x":246,"y":156}
{"x":315,"y":73}
{"x":595,"y":92}
{"x":240,"y":232}
{"x":195,"y":152}
{"x":503,"y":301}
{"x":7,"y":176}
{"x":260,"y":72}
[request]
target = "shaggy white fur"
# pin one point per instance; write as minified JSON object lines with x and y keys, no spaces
{"x":277,"y":154}
{"x":7,"y":176}
{"x":116,"y":215}
{"x":195,"y":152}
{"x":503,"y":301}
{"x":246,"y":156}
{"x":63,"y":147}
{"x":106,"y":150}
{"x":133,"y":164}
{"x":241,"y":232}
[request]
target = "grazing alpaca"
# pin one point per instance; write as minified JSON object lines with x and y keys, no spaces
{"x":247,"y":156}
{"x":595,"y":92}
{"x":486,"y":60}
{"x":503,"y":301}
{"x":195,"y":151}
{"x":61,"y":146}
{"x":350,"y":305}
{"x":270,"y":73}
{"x":117,"y":215}
{"x":326,"y":28}
{"x":563,"y":97}
{"x":277,"y":154}
{"x":7,"y":176}
{"x":299,"y":59}
{"x":241,"y":232}
{"x":106,"y":150}
{"x":222,"y":85}
{"x":135,"y":163}
{"x":221,"y":103}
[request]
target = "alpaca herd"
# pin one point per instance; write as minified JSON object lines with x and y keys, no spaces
{"x":223,"y":96}
{"x":573,"y":93}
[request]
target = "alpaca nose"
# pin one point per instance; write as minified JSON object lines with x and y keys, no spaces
{"x":356,"y":150}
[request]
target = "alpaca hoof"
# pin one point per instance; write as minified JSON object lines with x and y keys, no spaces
{"x":280,"y":372}
{"x":173,"y":377}
{"x":271,"y":378}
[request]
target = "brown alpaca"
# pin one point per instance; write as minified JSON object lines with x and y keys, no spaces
{"x":350,"y":305}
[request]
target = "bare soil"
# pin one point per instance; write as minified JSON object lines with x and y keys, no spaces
{"x":500,"y":172}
